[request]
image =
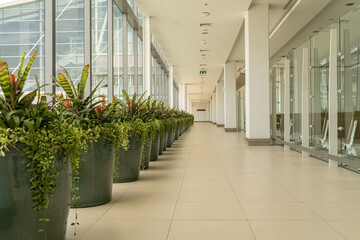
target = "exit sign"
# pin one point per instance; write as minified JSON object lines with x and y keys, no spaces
{"x":203,"y":72}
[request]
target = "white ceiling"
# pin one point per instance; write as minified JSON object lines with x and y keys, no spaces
{"x":175,"y":25}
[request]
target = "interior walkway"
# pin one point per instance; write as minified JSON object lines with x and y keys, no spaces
{"x":211,"y":185}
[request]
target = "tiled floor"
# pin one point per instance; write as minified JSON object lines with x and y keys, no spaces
{"x":211,"y":185}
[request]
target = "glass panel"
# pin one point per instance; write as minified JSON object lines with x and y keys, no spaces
{"x":70,"y":37}
{"x":22,"y":31}
{"x":131,"y":61}
{"x":296,"y":59}
{"x":279,"y":81}
{"x":319,"y":85}
{"x":118,"y":53}
{"x":131,"y":3}
{"x":140,"y":66}
{"x":153,"y":70}
{"x":349,"y":84}
{"x":99,"y":43}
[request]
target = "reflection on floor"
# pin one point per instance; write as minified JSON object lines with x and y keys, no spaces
{"x":211,"y":185}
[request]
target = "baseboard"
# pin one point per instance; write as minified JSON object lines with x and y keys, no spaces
{"x":220,"y":125}
{"x":259,"y":142}
{"x":230,"y":129}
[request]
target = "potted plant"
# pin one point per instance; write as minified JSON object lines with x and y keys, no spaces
{"x":127,"y":168}
{"x":37,"y":150}
{"x":102,"y":135}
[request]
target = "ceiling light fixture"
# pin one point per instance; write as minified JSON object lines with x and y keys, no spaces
{"x":349,"y":4}
{"x":205,"y":24}
{"x":205,"y":14}
{"x":204,"y":50}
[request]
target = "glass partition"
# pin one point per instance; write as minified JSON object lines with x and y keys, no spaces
{"x":349,"y":88}
{"x":140,"y":66}
{"x":279,"y":85}
{"x":118,"y":48}
{"x":70,"y":37}
{"x":99,"y":43}
{"x":131,"y":61}
{"x":22,"y":31}
{"x":319,"y":86}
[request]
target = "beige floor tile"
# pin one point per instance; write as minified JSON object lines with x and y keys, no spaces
{"x":349,"y":229}
{"x":294,"y":230}
{"x":324,"y":194}
{"x":209,"y":211}
{"x":141,"y":211}
{"x":128,"y":230}
{"x":208,"y":195}
{"x":206,"y":184}
{"x":278,"y":211}
{"x":210,"y":230}
{"x":256,"y":195}
{"x":151,"y":195}
{"x":84,"y":226}
{"x":336,"y":211}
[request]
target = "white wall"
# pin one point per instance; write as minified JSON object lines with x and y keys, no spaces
{"x":201,"y":115}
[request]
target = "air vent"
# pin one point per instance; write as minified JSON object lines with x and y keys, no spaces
{"x":205,"y":24}
{"x":204,"y":50}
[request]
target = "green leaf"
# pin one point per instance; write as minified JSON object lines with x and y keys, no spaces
{"x":25,"y":74}
{"x":66,"y":86}
{"x":83,"y":81}
{"x":28,"y":99}
{"x":70,"y":82}
{"x":5,"y":80}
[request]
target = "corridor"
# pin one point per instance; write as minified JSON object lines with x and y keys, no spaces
{"x":211,"y":186}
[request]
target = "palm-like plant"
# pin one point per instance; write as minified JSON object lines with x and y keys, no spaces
{"x":14,"y":104}
{"x":75,"y":102}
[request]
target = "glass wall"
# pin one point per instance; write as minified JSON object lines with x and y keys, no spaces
{"x":22,"y":31}
{"x":70,"y":37}
{"x":99,"y":43}
{"x":319,"y":86}
{"x":118,"y":48}
{"x":349,"y":87}
{"x":131,"y":61}
{"x":140,"y":65}
{"x":277,"y":75}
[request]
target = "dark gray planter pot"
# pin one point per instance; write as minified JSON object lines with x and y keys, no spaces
{"x":170,"y":139}
{"x":155,"y":148}
{"x":95,"y":175}
{"x":177,"y":133}
{"x":146,"y":160}
{"x":18,"y":221}
{"x":165,"y":141}
{"x":161,"y":145}
{"x":129,"y":162}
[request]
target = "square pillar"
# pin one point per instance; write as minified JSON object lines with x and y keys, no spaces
{"x":230,"y":97}
{"x":257,"y":75}
{"x":171,"y":87}
{"x":214,"y":112}
{"x":182,"y":97}
{"x":220,"y":104}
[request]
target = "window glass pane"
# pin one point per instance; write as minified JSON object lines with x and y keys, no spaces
{"x":118,"y":53}
{"x":22,"y":31}
{"x":140,"y":66}
{"x":99,"y":44}
{"x":70,"y":37}
{"x":131,"y":60}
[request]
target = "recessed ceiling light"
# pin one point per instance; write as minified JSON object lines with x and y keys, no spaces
{"x":331,"y":19}
{"x":205,"y":33}
{"x":316,"y":31}
{"x":205,"y":14}
{"x":204,"y":50}
{"x":349,"y":4}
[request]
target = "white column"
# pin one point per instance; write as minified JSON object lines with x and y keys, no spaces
{"x":257,"y":75}
{"x":147,"y":55}
{"x":305,"y":102}
{"x":171,"y":87}
{"x":182,"y":96}
{"x":230,"y":97}
{"x":110,"y":56}
{"x":287,"y":104}
{"x":88,"y":44}
{"x":188,"y":102}
{"x":214,"y":107}
{"x":210,"y":110}
{"x":220,"y":104}
{"x":333,"y":102}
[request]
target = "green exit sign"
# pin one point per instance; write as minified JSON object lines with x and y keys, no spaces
{"x":203,"y":72}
